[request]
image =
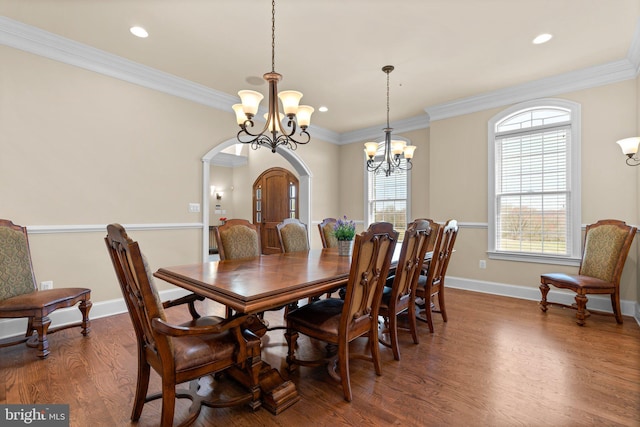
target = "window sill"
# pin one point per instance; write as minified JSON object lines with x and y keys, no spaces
{"x":541,"y":259}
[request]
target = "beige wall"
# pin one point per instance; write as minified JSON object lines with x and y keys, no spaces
{"x":450,"y":181}
{"x":80,"y":148}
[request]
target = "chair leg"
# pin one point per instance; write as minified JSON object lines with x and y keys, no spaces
{"x":428,"y":311}
{"x":41,"y":324}
{"x":413,"y":324}
{"x":29,"y":328}
{"x":375,"y":349}
{"x":292,"y":337}
{"x":443,"y":309}
{"x":343,"y":363}
{"x":581,"y":302}
{"x":168,"y":404}
{"x":142,"y":386}
{"x":85,"y":306}
{"x":544,"y":290}
{"x":615,"y":304}
{"x":393,"y":334}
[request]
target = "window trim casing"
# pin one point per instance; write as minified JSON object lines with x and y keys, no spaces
{"x":367,"y":183}
{"x":574,"y":184}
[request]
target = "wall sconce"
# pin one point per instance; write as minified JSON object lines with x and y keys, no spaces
{"x":212,"y":189}
{"x":219,"y":195}
{"x":629,"y":147}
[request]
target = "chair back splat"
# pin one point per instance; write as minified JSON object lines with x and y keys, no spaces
{"x":606,"y":246}
{"x":338,"y":322}
{"x":400,"y":292}
{"x":326,"y":233}
{"x":20,"y":297}
{"x":293,"y":235}
{"x":433,"y":283}
{"x":180,"y":353}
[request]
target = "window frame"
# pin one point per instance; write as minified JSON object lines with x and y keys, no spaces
{"x":368,"y":212}
{"x":573,"y":184}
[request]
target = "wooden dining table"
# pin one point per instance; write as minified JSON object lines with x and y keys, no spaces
{"x":254,"y":285}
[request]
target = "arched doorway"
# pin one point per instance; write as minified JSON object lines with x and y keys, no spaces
{"x":304,"y":176}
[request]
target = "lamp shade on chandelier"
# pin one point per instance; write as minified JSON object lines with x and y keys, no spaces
{"x":394,"y":150}
{"x":274,"y":133}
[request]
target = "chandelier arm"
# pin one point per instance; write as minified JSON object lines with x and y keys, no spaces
{"x":631,"y":159}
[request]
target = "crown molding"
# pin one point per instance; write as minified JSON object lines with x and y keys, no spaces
{"x":43,"y":43}
{"x":375,"y":132}
{"x":598,"y":75}
{"x":39,"y":42}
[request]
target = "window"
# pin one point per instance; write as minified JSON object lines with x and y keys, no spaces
{"x":534,"y":183}
{"x":388,"y":196}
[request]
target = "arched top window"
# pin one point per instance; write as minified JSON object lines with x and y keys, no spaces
{"x":534,"y":182}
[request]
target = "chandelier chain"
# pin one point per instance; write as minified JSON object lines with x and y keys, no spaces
{"x":388,"y":72}
{"x":273,"y":36}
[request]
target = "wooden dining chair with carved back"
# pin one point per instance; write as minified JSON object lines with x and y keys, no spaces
{"x":606,"y":246}
{"x":326,"y":233}
{"x":433,"y":235}
{"x":20,"y":297}
{"x":237,"y":239}
{"x":339,"y":322}
{"x":432,"y":283}
{"x":399,"y":293}
{"x":180,"y":353}
{"x":293,"y":235}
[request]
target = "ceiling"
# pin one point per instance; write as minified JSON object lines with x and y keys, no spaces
{"x":333,"y":50}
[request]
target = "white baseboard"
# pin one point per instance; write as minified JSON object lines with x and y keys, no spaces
{"x":65,"y":316}
{"x":596,"y":302}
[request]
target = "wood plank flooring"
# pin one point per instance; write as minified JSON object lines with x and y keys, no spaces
{"x":497,"y":362}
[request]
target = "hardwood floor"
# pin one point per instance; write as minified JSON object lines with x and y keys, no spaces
{"x":497,"y":362}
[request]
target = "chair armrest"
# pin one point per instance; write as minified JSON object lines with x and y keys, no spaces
{"x":188,"y":299}
{"x":168,"y":329}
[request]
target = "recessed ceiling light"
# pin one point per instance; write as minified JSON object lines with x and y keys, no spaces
{"x":323,"y":109}
{"x":139,"y":32}
{"x":542,"y":38}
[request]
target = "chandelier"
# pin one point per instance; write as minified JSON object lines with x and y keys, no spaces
{"x":274,"y":133}
{"x":629,"y":148}
{"x":393,"y":149}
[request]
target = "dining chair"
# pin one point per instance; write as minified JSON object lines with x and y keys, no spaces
{"x":293,"y":235}
{"x":339,"y":322}
{"x":606,"y":246}
{"x":20,"y":297}
{"x":179,"y":353}
{"x":433,"y":234}
{"x":237,"y":239}
{"x":399,"y":293}
{"x":326,"y":233}
{"x":432,"y":283}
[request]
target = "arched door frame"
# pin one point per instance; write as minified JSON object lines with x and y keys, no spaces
{"x":303,"y":171}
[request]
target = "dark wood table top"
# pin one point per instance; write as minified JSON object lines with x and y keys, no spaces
{"x":253,"y":285}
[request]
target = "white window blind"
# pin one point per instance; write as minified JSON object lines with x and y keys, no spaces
{"x":387,"y":198}
{"x":532,"y":193}
{"x":534,"y":188}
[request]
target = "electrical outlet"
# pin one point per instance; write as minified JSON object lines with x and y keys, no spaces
{"x":483,"y":263}
{"x":48,"y":284}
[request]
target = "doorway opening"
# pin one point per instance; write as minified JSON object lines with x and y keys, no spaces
{"x":291,"y":157}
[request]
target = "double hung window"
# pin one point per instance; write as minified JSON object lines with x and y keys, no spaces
{"x":534,"y":182}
